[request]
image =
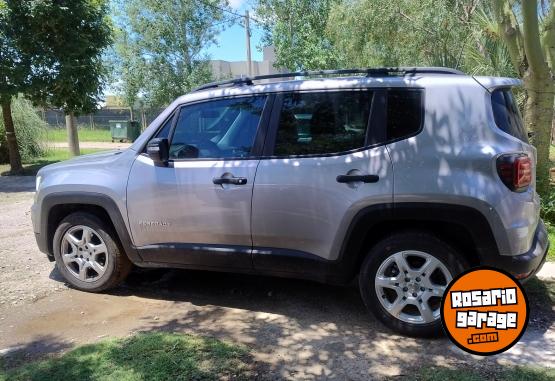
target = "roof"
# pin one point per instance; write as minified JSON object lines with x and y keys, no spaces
{"x":368,"y":72}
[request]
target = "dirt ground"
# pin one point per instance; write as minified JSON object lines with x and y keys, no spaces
{"x":296,"y":329}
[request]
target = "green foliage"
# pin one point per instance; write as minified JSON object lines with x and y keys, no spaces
{"x":160,"y":44}
{"x":486,"y":52}
{"x":548,"y":206}
{"x":520,"y":373}
{"x":401,"y":33}
{"x":30,"y":130}
{"x":148,"y":356}
{"x":14,"y":67}
{"x":296,"y":29}
{"x":65,"y":40}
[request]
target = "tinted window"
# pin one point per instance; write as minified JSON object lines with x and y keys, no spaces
{"x":164,"y":132}
{"x":404,"y":113}
{"x":223,"y":128}
{"x":321,"y":123}
{"x":506,"y":113}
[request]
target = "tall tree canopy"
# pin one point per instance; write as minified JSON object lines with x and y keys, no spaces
{"x":64,"y":41}
{"x":14,"y":70}
{"x":160,"y":46}
{"x":401,"y":33}
{"x":296,"y":29}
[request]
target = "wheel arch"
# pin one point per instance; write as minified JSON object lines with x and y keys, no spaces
{"x":56,"y":206}
{"x":463,"y":227}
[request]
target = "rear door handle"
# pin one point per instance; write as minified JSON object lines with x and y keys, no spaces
{"x":229,"y":180}
{"x":355,"y":178}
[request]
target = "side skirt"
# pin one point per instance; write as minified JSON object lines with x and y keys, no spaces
{"x":240,"y":259}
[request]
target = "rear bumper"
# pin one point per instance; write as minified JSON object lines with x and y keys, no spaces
{"x":525,"y":265}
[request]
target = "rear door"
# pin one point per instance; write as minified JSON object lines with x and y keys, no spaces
{"x":197,"y":210}
{"x":324,"y":165}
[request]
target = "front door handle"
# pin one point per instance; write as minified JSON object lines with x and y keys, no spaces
{"x":229,"y":180}
{"x":355,"y":178}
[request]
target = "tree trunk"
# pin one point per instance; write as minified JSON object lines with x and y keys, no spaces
{"x":538,"y":117}
{"x":11,"y":140}
{"x":72,"y":137}
{"x":131,"y":113}
{"x":539,"y":85}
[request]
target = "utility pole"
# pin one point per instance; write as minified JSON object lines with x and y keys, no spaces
{"x":248,"y":34}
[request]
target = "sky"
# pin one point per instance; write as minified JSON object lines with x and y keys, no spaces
{"x":231,"y":45}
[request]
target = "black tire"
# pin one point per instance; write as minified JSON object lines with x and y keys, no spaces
{"x":118,"y":265}
{"x":411,"y":240}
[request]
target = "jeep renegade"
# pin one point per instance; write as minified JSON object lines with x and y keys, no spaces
{"x":402,"y":177}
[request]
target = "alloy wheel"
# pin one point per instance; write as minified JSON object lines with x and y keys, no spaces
{"x":410,"y":284}
{"x":84,"y":253}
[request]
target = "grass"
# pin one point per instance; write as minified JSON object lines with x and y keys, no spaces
{"x":541,"y":293}
{"x":520,"y":373}
{"x":30,"y":168}
{"x":551,"y":235}
{"x":146,"y":356}
{"x":85,"y":135}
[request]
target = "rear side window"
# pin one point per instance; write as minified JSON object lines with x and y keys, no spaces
{"x":322,"y":123}
{"x":506,"y":114}
{"x":404,"y":113}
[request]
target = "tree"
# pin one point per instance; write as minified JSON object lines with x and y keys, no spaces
{"x":531,"y":47}
{"x":401,"y":33}
{"x":296,"y":29}
{"x":65,"y":39}
{"x":160,"y":46}
{"x":13,"y":70}
{"x":486,"y":52}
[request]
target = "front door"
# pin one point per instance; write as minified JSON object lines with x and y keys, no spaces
{"x":197,"y":210}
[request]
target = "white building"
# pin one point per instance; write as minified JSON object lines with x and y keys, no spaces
{"x":230,"y":69}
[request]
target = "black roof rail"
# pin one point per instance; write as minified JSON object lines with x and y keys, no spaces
{"x":369,"y":72}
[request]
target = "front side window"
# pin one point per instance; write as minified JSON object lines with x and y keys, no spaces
{"x":224,"y":128}
{"x":322,"y":123}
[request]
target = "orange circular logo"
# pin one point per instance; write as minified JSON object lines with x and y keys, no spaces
{"x":484,"y":311}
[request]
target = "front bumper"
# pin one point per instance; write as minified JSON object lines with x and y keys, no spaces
{"x":525,"y":265}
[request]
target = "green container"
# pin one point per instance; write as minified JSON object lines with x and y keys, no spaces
{"x":124,"y":130}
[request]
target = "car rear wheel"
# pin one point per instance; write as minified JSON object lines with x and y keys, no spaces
{"x":403,"y":279}
{"x":87,"y":253}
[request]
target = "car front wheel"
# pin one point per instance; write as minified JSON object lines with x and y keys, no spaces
{"x":403,"y":279}
{"x":87,"y":253}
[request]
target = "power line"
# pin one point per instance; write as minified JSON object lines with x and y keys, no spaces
{"x":229,"y":11}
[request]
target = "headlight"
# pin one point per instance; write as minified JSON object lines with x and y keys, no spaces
{"x":37,"y":183}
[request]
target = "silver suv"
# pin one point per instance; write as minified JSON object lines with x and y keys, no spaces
{"x":402,"y":177}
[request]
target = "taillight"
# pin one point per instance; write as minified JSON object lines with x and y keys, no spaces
{"x":515,"y":170}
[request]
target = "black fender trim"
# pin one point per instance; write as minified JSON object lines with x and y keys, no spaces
{"x":413,"y":215}
{"x":44,"y":240}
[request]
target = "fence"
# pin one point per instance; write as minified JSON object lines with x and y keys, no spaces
{"x":99,"y":120}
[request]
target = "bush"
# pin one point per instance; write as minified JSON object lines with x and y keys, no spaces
{"x":30,"y":131}
{"x":548,"y":206}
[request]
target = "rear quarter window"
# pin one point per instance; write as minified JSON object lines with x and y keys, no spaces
{"x":507,"y":115}
{"x":404,"y":113}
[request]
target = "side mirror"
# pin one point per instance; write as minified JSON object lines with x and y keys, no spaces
{"x":158,"y":150}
